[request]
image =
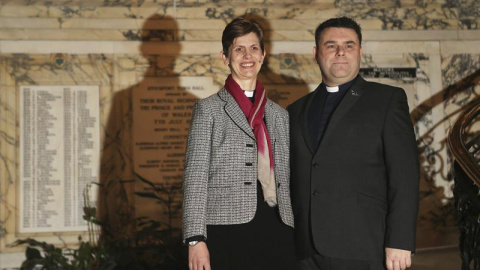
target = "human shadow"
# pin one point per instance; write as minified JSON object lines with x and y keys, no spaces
{"x":280,"y":74}
{"x":139,"y":203}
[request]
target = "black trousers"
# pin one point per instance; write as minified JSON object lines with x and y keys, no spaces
{"x":320,"y":262}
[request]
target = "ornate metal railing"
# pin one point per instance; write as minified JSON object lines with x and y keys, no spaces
{"x":464,"y":144}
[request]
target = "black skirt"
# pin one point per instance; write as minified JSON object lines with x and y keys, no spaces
{"x":264,"y":243}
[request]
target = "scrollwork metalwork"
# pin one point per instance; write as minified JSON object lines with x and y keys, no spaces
{"x":464,"y":145}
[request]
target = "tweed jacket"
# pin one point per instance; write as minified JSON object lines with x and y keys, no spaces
{"x":220,"y":179}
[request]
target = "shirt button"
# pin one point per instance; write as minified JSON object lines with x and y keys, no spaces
{"x":315,"y":165}
{"x":315,"y":193}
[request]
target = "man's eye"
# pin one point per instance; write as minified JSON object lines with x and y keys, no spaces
{"x":255,"y":48}
{"x":331,"y":46}
{"x":239,"y":49}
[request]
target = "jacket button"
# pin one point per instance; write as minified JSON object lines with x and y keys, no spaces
{"x":315,"y":165}
{"x":315,"y":193}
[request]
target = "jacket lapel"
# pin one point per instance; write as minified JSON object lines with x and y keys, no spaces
{"x":235,"y":113}
{"x":304,"y":120}
{"x":351,"y":97}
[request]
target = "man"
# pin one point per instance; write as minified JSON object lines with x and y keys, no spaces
{"x":354,"y":163}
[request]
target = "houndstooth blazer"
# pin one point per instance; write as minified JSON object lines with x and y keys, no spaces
{"x":219,"y":185}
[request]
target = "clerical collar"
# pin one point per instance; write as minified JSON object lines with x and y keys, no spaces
{"x":249,"y":94}
{"x":332,"y":89}
{"x":342,"y":87}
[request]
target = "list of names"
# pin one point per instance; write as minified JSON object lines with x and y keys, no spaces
{"x":59,"y":155}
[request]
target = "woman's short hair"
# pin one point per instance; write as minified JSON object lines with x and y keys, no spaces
{"x":240,"y":27}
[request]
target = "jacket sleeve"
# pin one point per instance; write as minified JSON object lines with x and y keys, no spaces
{"x":401,"y":160}
{"x":197,"y":164}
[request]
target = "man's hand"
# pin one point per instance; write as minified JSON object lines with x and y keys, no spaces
{"x":397,"y":259}
{"x":198,"y":257}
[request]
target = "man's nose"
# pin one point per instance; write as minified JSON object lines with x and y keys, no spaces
{"x":340,"y":50}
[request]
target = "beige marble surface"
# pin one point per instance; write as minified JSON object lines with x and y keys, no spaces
{"x":117,"y":45}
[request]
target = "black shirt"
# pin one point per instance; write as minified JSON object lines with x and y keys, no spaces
{"x":321,"y":109}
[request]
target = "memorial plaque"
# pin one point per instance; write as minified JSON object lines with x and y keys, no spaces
{"x":403,"y":77}
{"x":392,"y":73}
{"x":59,"y":155}
{"x":162,"y":111}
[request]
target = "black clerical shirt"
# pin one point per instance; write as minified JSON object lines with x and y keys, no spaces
{"x":321,"y":109}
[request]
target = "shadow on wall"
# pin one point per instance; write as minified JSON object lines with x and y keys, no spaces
{"x":139,"y":204}
{"x":281,"y":88}
{"x":436,"y":224}
{"x":140,"y":195}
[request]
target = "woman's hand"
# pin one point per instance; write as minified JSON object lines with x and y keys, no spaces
{"x":198,"y":257}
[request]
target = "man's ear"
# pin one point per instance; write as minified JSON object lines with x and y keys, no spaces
{"x":225,"y":59}
{"x":315,"y":53}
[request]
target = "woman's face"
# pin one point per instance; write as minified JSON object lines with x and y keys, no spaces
{"x":245,"y":58}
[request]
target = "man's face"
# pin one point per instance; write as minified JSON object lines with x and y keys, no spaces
{"x":338,"y":55}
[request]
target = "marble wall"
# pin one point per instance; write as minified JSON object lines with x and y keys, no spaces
{"x":117,"y":44}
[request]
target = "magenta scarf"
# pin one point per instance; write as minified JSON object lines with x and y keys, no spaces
{"x":255,"y":113}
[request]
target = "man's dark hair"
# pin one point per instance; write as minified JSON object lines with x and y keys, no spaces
{"x":240,"y":27}
{"x":342,"y":22}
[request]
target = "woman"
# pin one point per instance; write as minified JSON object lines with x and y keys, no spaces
{"x":236,"y":205}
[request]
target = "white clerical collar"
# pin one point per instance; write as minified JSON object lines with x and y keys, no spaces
{"x":249,"y":93}
{"x":333,"y":89}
